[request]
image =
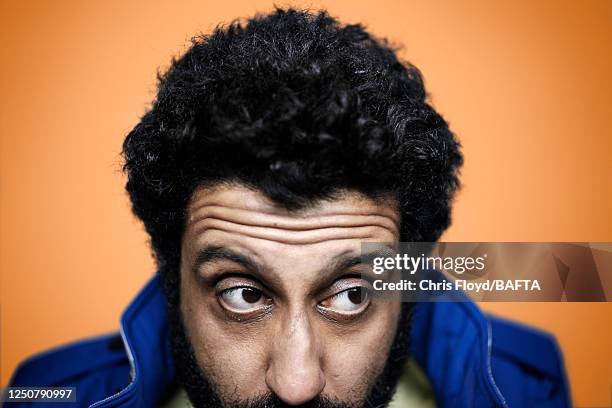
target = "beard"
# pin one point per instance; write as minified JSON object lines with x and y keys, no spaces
{"x":203,"y":394}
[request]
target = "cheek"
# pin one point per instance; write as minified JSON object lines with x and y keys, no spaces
{"x":232,"y":356}
{"x":354,"y":360}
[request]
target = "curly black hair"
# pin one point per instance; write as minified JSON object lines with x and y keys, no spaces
{"x":298,"y":106}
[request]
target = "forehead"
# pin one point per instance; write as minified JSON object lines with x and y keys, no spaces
{"x":237,"y":216}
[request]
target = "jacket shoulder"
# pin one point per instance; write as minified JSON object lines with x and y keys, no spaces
{"x":97,"y":367}
{"x":527,"y":365}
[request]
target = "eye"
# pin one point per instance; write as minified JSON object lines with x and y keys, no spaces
{"x":243,"y":299}
{"x":349,"y":301}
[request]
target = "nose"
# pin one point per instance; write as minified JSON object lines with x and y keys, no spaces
{"x":294,"y":371}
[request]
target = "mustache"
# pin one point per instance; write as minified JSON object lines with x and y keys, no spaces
{"x":272,"y":401}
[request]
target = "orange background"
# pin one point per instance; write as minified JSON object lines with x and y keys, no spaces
{"x":526,"y":85}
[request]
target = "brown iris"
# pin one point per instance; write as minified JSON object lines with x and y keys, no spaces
{"x":251,"y":295}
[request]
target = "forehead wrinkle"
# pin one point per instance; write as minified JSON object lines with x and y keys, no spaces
{"x":256,"y":219}
{"x":295,"y":237}
{"x":247,"y":213}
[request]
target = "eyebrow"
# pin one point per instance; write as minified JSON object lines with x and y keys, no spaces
{"x":214,"y":253}
{"x":342,"y":262}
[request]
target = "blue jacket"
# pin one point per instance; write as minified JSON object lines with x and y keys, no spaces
{"x":471,"y":360}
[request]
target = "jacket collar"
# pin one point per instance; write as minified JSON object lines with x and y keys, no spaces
{"x":146,"y":338}
{"x":451,"y":341}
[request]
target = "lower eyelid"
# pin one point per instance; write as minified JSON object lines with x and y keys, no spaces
{"x":250,"y":316}
{"x":342,"y":317}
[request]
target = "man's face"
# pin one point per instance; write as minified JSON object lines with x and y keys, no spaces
{"x":273,"y":303}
